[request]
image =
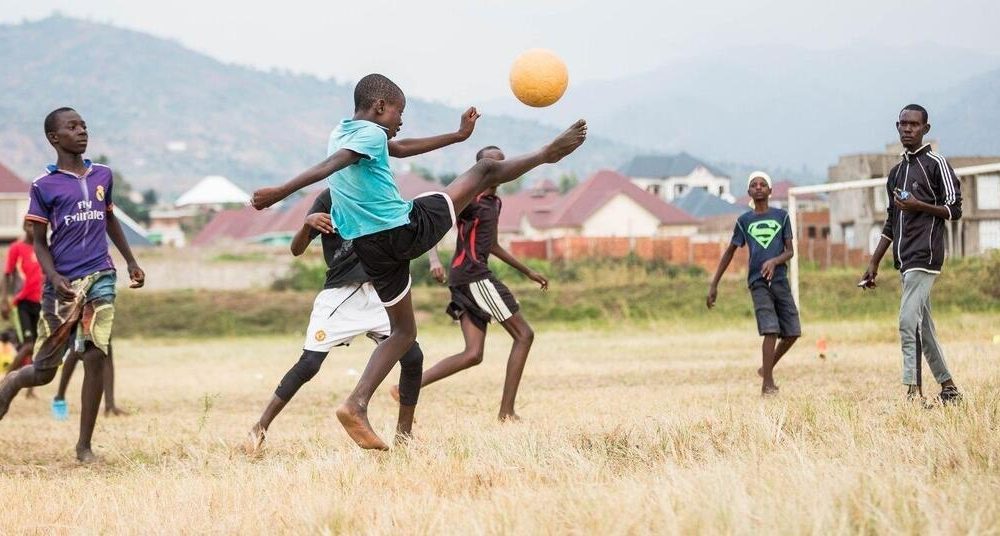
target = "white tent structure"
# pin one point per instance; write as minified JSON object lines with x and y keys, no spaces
{"x":213,"y":190}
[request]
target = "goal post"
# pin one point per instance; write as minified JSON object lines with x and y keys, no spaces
{"x":793,"y":193}
{"x":793,"y":217}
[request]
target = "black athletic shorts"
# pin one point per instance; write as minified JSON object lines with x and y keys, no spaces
{"x":775,"y":309}
{"x":482,"y":300}
{"x":386,"y":255}
{"x":28,"y":313}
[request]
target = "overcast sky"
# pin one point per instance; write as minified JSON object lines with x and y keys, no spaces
{"x":459,"y":51}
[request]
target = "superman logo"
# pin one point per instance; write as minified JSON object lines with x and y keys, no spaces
{"x":764,"y":231}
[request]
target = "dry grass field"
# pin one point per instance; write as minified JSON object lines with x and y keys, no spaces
{"x":647,"y":428}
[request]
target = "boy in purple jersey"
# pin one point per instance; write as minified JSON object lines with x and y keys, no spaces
{"x":74,"y":199}
{"x":477,"y":296}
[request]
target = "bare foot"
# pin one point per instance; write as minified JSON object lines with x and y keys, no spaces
{"x":567,"y":142}
{"x":394,"y":393}
{"x":86,"y":456}
{"x":253,"y":443}
{"x":769,"y":390}
{"x":355,"y":422}
{"x":509,"y":417}
{"x":115,"y":411}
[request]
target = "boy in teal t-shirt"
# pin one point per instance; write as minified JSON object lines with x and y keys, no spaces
{"x":387,"y":231}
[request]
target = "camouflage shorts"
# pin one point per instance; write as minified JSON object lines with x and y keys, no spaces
{"x":95,"y":324}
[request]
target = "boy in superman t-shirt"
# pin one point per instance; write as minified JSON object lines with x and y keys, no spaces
{"x":768,"y":234}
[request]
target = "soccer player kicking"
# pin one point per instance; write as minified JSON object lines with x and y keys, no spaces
{"x":387,"y":231}
{"x":347,"y":307}
{"x":477,"y":296}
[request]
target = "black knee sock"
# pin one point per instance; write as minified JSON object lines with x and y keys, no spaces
{"x":302,"y":371}
{"x":411,"y":367}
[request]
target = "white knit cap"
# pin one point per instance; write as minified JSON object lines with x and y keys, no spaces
{"x":761,"y":174}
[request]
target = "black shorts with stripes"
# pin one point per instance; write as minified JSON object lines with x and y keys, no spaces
{"x":483,"y":300}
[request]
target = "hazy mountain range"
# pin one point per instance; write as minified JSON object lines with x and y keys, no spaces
{"x":166,"y":115}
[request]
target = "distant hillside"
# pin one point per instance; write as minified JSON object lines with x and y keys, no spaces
{"x":166,"y":116}
{"x":967,"y":122}
{"x":790,"y":107}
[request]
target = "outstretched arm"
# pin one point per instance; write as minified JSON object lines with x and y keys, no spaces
{"x":499,"y":252}
{"x":415,"y":146}
{"x":135,"y":274}
{"x":713,"y":289}
{"x":265,"y":197}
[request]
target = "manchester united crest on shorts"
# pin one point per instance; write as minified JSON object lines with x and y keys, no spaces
{"x":320,"y":336}
{"x":100,"y":192}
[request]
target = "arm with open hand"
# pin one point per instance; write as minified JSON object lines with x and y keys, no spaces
{"x":265,"y":197}
{"x":135,"y":274}
{"x":770,"y":265}
{"x":437,"y":270}
{"x":414,"y":146}
{"x":316,"y":223}
{"x":499,"y":252}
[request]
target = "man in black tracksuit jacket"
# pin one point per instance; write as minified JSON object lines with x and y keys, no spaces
{"x":924,"y":192}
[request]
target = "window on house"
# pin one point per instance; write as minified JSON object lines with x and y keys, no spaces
{"x":722,"y":191}
{"x":811,"y":231}
{"x":988,"y":192}
{"x":653,"y":189}
{"x":679,"y":189}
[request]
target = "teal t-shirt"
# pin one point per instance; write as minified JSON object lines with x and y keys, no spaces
{"x":765,"y":235}
{"x":365,"y":197}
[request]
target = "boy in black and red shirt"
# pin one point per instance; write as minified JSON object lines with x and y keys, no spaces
{"x":477,"y":296}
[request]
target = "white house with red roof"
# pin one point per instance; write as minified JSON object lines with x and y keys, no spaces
{"x":13,"y":204}
{"x":672,"y":176}
{"x":607,"y":204}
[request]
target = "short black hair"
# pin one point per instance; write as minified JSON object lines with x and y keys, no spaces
{"x":374,"y":87}
{"x":50,"y":120}
{"x":479,"y":155}
{"x":916,"y":108}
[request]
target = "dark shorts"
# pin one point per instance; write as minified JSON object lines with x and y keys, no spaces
{"x":483,"y":300}
{"x":386,"y":255}
{"x":775,"y":309}
{"x":28,"y":313}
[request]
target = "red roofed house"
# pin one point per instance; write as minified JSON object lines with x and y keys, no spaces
{"x":13,"y":204}
{"x":607,"y":204}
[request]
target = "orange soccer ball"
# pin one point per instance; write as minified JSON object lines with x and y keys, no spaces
{"x":538,"y":78}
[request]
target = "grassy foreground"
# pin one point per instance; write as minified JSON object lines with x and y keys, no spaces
{"x":637,"y":428}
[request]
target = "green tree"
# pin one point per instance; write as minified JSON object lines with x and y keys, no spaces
{"x":567,"y":182}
